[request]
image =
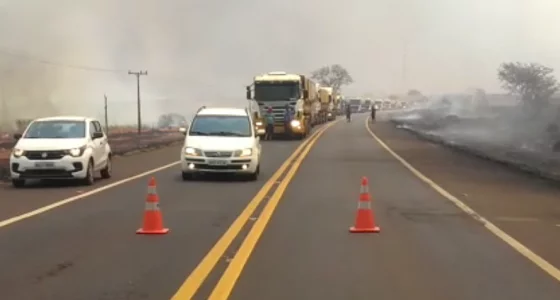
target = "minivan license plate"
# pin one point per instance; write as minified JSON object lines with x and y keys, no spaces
{"x":44,"y":165}
{"x":217,"y":162}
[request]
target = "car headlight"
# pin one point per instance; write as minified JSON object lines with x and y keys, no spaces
{"x":17,"y":152}
{"x":192,"y":151}
{"x":295,"y":123}
{"x":244,"y":152}
{"x":259,"y":123}
{"x":76,"y":152}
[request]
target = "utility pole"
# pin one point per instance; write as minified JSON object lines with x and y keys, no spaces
{"x":106,"y":117}
{"x":138,"y":74}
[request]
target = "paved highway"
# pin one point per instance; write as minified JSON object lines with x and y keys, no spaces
{"x":286,"y":235}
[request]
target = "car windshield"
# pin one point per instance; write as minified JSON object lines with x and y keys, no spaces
{"x":59,"y":129}
{"x":221,"y":126}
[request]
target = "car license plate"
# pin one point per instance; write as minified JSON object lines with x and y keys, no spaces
{"x":217,"y":162}
{"x":44,"y":165}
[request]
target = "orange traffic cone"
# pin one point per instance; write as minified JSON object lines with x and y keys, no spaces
{"x":365,"y":221}
{"x":153,"y":220}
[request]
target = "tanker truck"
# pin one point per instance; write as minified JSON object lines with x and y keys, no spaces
{"x":327,"y":103}
{"x":279,"y":90}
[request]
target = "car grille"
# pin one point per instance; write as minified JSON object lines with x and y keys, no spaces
{"x":43,"y":155}
{"x":218,"y":153}
{"x":51,"y":174}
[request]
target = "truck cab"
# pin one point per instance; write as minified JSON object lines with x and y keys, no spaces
{"x":280,"y":91}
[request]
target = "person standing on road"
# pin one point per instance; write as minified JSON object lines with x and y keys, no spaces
{"x":348,"y":112}
{"x":373,"y":111}
{"x":269,"y":119}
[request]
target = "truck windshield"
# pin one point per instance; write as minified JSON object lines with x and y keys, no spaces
{"x":355,"y":102}
{"x":59,"y":129}
{"x":278,"y":91}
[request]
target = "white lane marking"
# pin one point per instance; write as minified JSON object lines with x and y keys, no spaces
{"x":52,"y":206}
{"x":522,"y":249}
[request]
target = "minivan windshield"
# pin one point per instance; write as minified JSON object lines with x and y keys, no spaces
{"x":221,"y":126}
{"x":59,"y":129}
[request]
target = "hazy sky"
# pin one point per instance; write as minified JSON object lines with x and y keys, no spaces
{"x":205,"y":51}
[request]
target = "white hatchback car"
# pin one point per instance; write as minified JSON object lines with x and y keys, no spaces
{"x":221,"y":140}
{"x":61,"y":148}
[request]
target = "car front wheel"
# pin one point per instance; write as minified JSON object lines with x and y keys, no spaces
{"x":18,"y":183}
{"x":186,"y":176}
{"x":108,"y":170}
{"x":89,"y":179}
{"x":255,"y":176}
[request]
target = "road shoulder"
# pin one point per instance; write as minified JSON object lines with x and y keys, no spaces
{"x":524,"y":206}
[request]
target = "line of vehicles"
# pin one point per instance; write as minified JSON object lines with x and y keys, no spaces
{"x":218,"y":140}
{"x":311,"y":103}
{"x":361,"y":105}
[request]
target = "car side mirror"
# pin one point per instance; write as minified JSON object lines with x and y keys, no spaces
{"x":248,"y":94}
{"x":183,"y":130}
{"x":97,"y":135}
{"x":17,"y":136}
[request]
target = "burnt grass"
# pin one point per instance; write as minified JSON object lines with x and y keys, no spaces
{"x":542,"y":164}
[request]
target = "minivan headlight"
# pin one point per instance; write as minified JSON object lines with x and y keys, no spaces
{"x":192,"y":151}
{"x":17,"y":152}
{"x":243,"y":152}
{"x":76,"y":152}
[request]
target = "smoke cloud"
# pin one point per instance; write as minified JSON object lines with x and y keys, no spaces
{"x":205,"y":51}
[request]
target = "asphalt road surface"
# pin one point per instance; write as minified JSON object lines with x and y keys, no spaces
{"x":286,"y":235}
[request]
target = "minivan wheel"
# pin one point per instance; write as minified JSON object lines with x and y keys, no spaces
{"x":18,"y":183}
{"x":89,"y":179}
{"x":108,"y":170}
{"x":255,"y":176}
{"x":186,"y":176}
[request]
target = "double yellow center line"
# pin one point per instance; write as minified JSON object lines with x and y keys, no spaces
{"x":227,"y":282}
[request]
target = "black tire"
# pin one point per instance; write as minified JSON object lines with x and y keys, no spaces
{"x":186,"y":176}
{"x":255,"y":176}
{"x":107,"y":172}
{"x":90,"y":178}
{"x":18,"y":183}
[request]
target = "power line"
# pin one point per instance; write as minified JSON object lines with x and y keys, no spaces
{"x":58,"y":64}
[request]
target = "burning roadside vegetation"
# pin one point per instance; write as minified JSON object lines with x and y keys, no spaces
{"x":510,"y":134}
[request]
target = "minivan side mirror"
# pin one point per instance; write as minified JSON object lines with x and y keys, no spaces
{"x":97,"y":135}
{"x":17,"y":136}
{"x":248,"y":93}
{"x":183,"y":130}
